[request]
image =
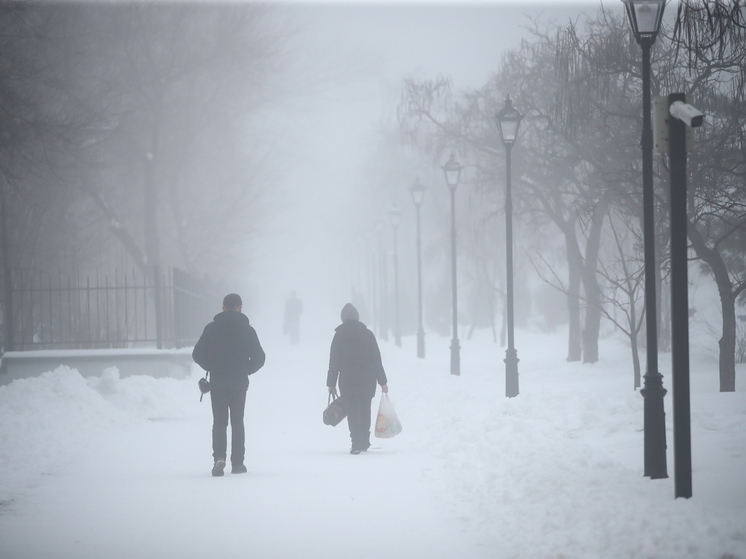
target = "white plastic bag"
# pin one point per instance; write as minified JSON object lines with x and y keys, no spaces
{"x":387,"y":422}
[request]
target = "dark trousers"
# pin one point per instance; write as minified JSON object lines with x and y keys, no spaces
{"x":358,"y":420}
{"x":225,"y":404}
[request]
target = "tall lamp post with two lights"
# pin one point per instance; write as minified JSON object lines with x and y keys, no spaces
{"x":645,"y":19}
{"x":508,"y":121}
{"x":418,"y":193}
{"x":452,"y":171}
{"x":395,"y":214}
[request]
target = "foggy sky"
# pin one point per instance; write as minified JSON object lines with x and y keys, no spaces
{"x":354,"y":58}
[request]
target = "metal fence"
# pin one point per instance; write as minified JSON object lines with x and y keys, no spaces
{"x":163,"y":309}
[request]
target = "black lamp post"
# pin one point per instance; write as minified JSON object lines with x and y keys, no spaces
{"x":395,"y":214}
{"x":418,"y":193}
{"x":372,"y":284}
{"x":383,"y":319}
{"x":452,"y":171}
{"x":645,"y":19}
{"x":508,"y":122}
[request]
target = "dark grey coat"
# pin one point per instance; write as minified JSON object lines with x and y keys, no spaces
{"x":355,"y":360}
{"x":229,"y":348}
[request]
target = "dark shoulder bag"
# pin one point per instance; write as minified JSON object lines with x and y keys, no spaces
{"x":335,"y":411}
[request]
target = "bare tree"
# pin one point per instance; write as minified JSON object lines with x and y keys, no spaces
{"x":622,"y":289}
{"x":710,"y":37}
{"x":38,"y":116}
{"x":170,"y":155}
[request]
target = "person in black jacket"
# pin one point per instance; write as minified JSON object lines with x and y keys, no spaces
{"x":355,"y":361}
{"x":230,"y":350}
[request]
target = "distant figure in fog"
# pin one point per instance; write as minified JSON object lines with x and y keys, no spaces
{"x":230,"y":350}
{"x":291,"y":325}
{"x":355,"y":361}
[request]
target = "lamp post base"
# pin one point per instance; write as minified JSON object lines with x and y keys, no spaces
{"x":455,"y":357}
{"x":511,"y":373}
{"x":421,"y":343}
{"x":654,"y":425}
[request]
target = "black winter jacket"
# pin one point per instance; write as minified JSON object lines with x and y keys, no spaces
{"x":229,"y":348}
{"x":355,"y":360}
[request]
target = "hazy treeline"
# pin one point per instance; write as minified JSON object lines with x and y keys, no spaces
{"x":132,"y":137}
{"x":577,"y":164}
{"x":127,"y":134}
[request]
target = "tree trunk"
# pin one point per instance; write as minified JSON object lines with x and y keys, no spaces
{"x":575,"y":266}
{"x":634,"y":345}
{"x":590,"y":282}
{"x":150,"y":210}
{"x":664,"y":318}
{"x":635,"y":359}
{"x":727,"y":343}
{"x":592,"y":324}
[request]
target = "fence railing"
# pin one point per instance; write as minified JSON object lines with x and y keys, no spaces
{"x":165,"y":309}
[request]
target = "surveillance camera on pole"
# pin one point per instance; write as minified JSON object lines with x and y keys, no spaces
{"x":665,"y":111}
{"x":687,"y":114}
{"x":680,"y":119}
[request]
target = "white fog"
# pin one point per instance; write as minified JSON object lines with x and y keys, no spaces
{"x":157,"y":156}
{"x":331,"y":133}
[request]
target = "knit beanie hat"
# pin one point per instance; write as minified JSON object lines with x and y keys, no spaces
{"x":232,"y":301}
{"x":349,"y":312}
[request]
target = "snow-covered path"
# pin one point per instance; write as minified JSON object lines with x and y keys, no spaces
{"x":146,"y":490}
{"x":119,"y":468}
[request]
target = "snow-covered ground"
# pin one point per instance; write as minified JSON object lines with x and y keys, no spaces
{"x":104,"y":467}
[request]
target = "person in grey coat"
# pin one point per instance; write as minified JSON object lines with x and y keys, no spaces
{"x":355,"y":363}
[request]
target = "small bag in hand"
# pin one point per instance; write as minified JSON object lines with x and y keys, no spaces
{"x":335,"y":411}
{"x":204,"y":386}
{"x":387,"y":422}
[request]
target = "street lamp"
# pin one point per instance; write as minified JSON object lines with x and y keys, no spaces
{"x":383,"y":323}
{"x":372,"y":283}
{"x":418,"y":193}
{"x":452,"y":171}
{"x":645,"y":19}
{"x":508,"y":121}
{"x":395,"y":214}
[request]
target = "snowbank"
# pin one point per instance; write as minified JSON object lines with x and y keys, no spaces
{"x":47,"y":420}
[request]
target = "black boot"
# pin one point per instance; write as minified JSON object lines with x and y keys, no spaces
{"x":218,"y":467}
